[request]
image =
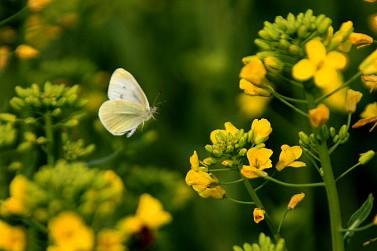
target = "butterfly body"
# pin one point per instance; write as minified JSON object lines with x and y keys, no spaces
{"x":127,"y":107}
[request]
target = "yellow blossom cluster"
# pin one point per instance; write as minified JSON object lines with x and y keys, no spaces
{"x":12,"y":238}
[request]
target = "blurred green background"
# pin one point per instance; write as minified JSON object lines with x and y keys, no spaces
{"x":187,"y":55}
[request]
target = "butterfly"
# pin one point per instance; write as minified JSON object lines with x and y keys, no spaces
{"x":363,"y":122}
{"x":127,"y":107}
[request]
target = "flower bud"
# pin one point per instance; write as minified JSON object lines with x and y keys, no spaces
{"x":352,"y":99}
{"x":319,"y":115}
{"x":360,"y":39}
{"x":24,"y":51}
{"x":8,"y":117}
{"x":258,"y":214}
{"x":295,"y":200}
{"x":366,"y":157}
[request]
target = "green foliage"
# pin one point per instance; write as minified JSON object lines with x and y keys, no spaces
{"x":264,"y":244}
{"x":359,"y":216}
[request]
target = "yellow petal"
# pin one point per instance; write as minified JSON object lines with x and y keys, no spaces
{"x":316,"y":51}
{"x":253,"y":90}
{"x":370,"y":111}
{"x":194,"y":161}
{"x":303,"y":70}
{"x":336,"y":60}
{"x":353,"y":98}
{"x":325,"y":77}
{"x":249,"y":172}
{"x":319,"y":115}
{"x":229,"y":127}
{"x":258,"y":215}
{"x":297,"y":198}
{"x":297,"y":164}
{"x":254,"y":71}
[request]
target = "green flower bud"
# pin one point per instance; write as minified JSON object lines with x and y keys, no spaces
{"x":332,"y":132}
{"x":8,"y":117}
{"x":304,"y":138}
{"x":366,"y":157}
{"x":17,"y":103}
{"x":208,"y":148}
{"x":15,"y":166}
{"x":56,"y":112}
{"x":24,"y":146}
{"x":209,"y":161}
{"x":242,"y":152}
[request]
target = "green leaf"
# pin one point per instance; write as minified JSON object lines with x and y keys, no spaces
{"x":360,"y":215}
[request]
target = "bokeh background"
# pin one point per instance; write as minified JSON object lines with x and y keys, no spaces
{"x":187,"y":55}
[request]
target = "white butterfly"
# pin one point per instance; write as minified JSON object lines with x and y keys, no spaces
{"x":127,"y":107}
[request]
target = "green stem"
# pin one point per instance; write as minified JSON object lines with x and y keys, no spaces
{"x":50,"y":139}
{"x":240,"y":201}
{"x":332,"y":198}
{"x":318,"y":184}
{"x":14,"y":16}
{"x":358,"y":229}
{"x":301,"y":112}
{"x":255,"y":198}
{"x":347,"y":83}
{"x":231,"y":182}
{"x":347,"y":171}
{"x":222,"y":169}
{"x":282,"y":220}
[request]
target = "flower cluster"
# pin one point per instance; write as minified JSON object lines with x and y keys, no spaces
{"x":264,"y":243}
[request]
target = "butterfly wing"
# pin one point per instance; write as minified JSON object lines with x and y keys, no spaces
{"x":121,"y":116}
{"x":124,"y":86}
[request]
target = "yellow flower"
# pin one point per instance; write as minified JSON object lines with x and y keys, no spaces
{"x":295,"y":199}
{"x":375,"y":220}
{"x":260,"y":130}
{"x":68,"y":231}
{"x":369,"y":65}
{"x":15,"y":204}
{"x":252,"y":106}
{"x":258,"y":215}
{"x":253,"y":71}
{"x":353,"y":98}
{"x":149,"y":213}
{"x":259,"y":159}
{"x":370,"y":81}
{"x":369,"y":115}
{"x":24,"y":51}
{"x":4,"y":56}
{"x":253,"y":90}
{"x":110,"y":240}
{"x":370,"y":111}
{"x":319,"y":115}
{"x":321,"y":65}
{"x":202,"y":182}
{"x":218,"y":135}
{"x":12,"y":238}
{"x":289,"y":156}
{"x":360,"y":39}
{"x":37,"y":5}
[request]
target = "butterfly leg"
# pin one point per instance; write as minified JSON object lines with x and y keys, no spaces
{"x":131,"y":132}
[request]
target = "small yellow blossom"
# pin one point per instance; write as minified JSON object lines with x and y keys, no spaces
{"x":289,"y":156}
{"x":4,"y":56}
{"x":370,"y":81}
{"x":254,"y":70}
{"x":15,"y":204}
{"x":353,"y":98}
{"x":12,"y":238}
{"x":295,"y":200}
{"x":69,"y":231}
{"x":253,"y":90}
{"x":369,"y":65}
{"x":375,"y":220}
{"x":260,"y":130}
{"x":321,"y":65}
{"x":369,"y":116}
{"x":218,"y":133}
{"x":24,"y":51}
{"x":37,"y":5}
{"x":259,"y":159}
{"x":360,"y":39}
{"x":252,"y":106}
{"x":258,"y":214}
{"x":149,"y":213}
{"x":319,"y":115}
{"x":110,"y":240}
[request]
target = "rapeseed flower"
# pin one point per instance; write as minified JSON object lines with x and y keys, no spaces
{"x":322,"y":65}
{"x":360,"y":39}
{"x":295,"y":200}
{"x":370,"y":81}
{"x":110,"y":240}
{"x":289,"y":156}
{"x":368,"y":116}
{"x":319,"y":115}
{"x":24,"y":51}
{"x":259,"y":159}
{"x":15,"y":204}
{"x":12,"y":238}
{"x":253,"y":70}
{"x":369,"y":65}
{"x":258,"y":214}
{"x":68,"y":232}
{"x":353,"y":98}
{"x":260,"y":131}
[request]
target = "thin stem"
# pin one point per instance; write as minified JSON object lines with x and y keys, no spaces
{"x":311,"y":154}
{"x":302,"y":101}
{"x":299,"y":111}
{"x":231,"y":182}
{"x":104,"y":159}
{"x":318,"y":184}
{"x":335,"y":146}
{"x":358,"y":229}
{"x":50,"y":139}
{"x":332,"y":197}
{"x":254,"y":197}
{"x":239,"y":201}
{"x":314,"y":164}
{"x":282,"y":220}
{"x":347,"y":83}
{"x":221,"y":169}
{"x":347,"y":171}
{"x":264,"y":182}
{"x":14,"y":16}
